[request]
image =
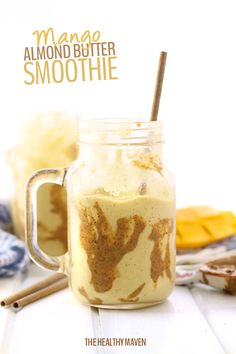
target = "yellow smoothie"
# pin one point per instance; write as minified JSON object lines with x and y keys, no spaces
{"x":122,"y":249}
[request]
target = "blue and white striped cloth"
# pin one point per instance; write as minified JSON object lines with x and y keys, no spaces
{"x":13,"y":255}
{"x":5,"y":218}
{"x":4,"y":214}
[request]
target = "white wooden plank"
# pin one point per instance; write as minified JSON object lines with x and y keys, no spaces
{"x":60,"y":324}
{"x":9,"y":286}
{"x":56,"y":324}
{"x":174,"y":327}
{"x":220,"y":311}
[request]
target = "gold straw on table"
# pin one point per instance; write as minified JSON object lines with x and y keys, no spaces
{"x":36,"y":292}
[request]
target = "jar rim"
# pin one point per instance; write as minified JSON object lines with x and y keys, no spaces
{"x":122,"y":131}
{"x":114,"y":121}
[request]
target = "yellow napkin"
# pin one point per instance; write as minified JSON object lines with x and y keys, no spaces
{"x":202,"y":225}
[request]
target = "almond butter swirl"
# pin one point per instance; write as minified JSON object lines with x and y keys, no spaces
{"x":148,"y":161}
{"x":160,"y":264}
{"x":104,"y":247}
{"x":132,"y":297}
{"x":95,"y":301}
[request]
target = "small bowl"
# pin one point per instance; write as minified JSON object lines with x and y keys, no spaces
{"x":220,"y":274}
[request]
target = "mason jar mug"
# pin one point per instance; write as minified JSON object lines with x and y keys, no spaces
{"x":121,"y":216}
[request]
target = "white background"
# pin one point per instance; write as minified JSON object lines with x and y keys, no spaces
{"x":198,"y":105}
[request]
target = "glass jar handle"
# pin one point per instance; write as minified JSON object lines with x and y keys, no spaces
{"x":40,"y":177}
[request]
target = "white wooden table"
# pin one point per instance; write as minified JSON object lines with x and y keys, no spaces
{"x":200,"y":320}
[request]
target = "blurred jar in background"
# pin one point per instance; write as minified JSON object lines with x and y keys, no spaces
{"x":46,"y":140}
